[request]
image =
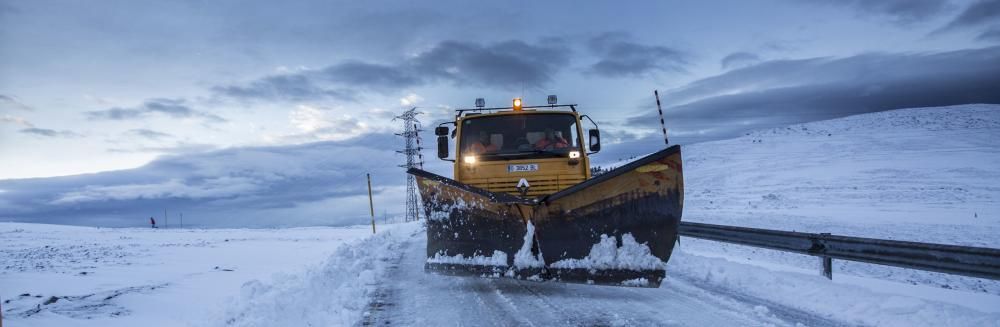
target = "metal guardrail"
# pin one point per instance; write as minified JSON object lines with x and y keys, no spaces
{"x":952,"y":259}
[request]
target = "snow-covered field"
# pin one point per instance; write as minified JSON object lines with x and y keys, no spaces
{"x":53,"y":275}
{"x":927,"y":175}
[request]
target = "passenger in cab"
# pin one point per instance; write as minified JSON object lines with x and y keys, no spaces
{"x":483,"y":145}
{"x":551,"y":141}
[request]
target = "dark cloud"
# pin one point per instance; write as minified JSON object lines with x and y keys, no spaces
{"x":49,"y":132}
{"x":622,"y":57}
{"x":977,"y":14}
{"x":895,"y":11}
{"x":739,"y":59}
{"x":11,"y":102}
{"x":992,"y":34}
{"x":7,"y":9}
{"x":782,"y":92}
{"x":176,"y":108}
{"x":289,"y":87}
{"x":510,"y":65}
{"x":149,"y":134}
{"x":370,"y":75}
{"x":305,"y":184}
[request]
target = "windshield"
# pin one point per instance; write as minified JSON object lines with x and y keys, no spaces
{"x":519,"y":136}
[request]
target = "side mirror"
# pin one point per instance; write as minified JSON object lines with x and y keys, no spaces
{"x":595,"y":140}
{"x":441,"y":130}
{"x":443,"y":145}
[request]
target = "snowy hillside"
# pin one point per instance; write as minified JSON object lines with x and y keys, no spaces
{"x":914,"y":174}
{"x":924,"y":174}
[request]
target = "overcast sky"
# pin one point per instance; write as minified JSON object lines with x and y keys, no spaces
{"x":93,"y":86}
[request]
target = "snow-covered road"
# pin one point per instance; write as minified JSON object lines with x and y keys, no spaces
{"x":413,"y":298}
{"x":82,"y":276}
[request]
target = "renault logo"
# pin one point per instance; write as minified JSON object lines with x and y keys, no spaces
{"x":523,"y":186}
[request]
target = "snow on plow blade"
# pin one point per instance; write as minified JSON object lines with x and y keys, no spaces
{"x":618,"y":228}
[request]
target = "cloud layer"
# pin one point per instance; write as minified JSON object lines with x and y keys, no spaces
{"x":175,"y":108}
{"x":506,"y":65}
{"x":896,"y":11}
{"x":45,"y":132}
{"x":781,"y":92}
{"x":619,"y":56}
{"x":979,"y":13}
{"x":258,"y":186}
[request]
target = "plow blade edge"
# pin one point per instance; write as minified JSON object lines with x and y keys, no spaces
{"x":618,"y":228}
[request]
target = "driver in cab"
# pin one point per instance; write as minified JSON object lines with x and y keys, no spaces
{"x":483,"y":145}
{"x":551,"y":141}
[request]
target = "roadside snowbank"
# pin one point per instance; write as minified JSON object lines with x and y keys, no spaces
{"x":333,"y":294}
{"x":54,"y":275}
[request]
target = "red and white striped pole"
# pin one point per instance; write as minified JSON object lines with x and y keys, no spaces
{"x":662,"y":124}
{"x":420,"y":153}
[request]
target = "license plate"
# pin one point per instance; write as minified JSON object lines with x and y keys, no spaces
{"x":522,"y":168}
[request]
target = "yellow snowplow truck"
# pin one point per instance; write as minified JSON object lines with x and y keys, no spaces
{"x":523,"y":204}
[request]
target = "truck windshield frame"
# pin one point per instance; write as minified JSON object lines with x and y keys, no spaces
{"x":520,"y":136}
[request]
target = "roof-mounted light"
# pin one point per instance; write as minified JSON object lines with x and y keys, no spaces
{"x":553,"y":100}
{"x":480,"y":102}
{"x":517,"y":104}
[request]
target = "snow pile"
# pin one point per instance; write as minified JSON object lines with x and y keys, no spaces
{"x":523,"y":258}
{"x":499,"y":258}
{"x":638,"y":282}
{"x":334,"y":294}
{"x":607,"y":255}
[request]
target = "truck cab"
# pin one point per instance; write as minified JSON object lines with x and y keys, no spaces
{"x":525,"y":151}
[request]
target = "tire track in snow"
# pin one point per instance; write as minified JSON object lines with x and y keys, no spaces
{"x":697,"y":289}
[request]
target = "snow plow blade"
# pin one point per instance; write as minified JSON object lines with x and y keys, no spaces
{"x":470,"y":231}
{"x":618,"y":228}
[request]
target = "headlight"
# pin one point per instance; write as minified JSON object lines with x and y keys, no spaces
{"x":470,"y":159}
{"x":574,"y":154}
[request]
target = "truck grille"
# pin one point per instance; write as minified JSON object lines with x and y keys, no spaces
{"x":540,"y":185}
